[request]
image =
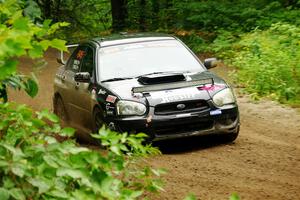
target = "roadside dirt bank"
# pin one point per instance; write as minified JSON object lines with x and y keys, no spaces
{"x":263,"y":163}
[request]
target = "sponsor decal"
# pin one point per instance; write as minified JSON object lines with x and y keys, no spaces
{"x":216,"y":112}
{"x":110,"y":110}
{"x":101,"y":92}
{"x":80,"y":54}
{"x":175,"y":95}
{"x":111,"y":98}
{"x":107,"y":106}
{"x":76,"y":64}
{"x":211,"y":87}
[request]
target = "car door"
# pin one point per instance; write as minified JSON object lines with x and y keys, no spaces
{"x":70,"y":94}
{"x":84,"y":91}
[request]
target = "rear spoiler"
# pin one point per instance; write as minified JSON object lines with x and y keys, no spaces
{"x":61,"y":59}
{"x":176,"y":85}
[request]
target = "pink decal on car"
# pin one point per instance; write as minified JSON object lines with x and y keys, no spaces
{"x":111,"y":98}
{"x":211,"y":87}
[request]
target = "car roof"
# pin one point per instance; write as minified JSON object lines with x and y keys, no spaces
{"x":118,"y":39}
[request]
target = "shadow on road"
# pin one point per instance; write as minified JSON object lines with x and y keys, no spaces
{"x":183,"y":145}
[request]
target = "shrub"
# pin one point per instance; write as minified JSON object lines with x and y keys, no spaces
{"x":268,"y":62}
{"x":35,"y":165}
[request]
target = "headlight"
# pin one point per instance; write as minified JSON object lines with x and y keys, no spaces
{"x":130,"y":108}
{"x":224,"y":97}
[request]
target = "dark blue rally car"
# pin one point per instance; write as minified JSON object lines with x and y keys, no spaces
{"x":144,"y":83}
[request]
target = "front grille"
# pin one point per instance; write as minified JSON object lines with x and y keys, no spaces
{"x":172,"y":108}
{"x":176,"y":128}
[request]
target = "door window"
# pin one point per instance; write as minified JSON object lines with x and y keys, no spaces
{"x":88,"y":61}
{"x":76,"y":59}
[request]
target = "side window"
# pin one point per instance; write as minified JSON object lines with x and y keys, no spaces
{"x":88,"y":61}
{"x":76,"y":59}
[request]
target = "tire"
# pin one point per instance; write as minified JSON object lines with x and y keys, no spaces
{"x":60,"y":110}
{"x":232,"y":136}
{"x":98,"y":121}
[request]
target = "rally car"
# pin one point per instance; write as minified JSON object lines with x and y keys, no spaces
{"x":144,"y":83}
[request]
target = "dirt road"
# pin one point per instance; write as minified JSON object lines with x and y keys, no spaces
{"x":263,"y":163}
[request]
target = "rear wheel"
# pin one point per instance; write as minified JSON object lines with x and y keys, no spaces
{"x":60,"y":110}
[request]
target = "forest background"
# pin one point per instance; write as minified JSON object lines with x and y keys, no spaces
{"x":260,"y":38}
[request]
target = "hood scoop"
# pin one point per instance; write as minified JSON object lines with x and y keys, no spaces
{"x":161,"y":78}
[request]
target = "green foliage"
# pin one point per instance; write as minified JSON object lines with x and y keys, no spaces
{"x":234,"y":196}
{"x":93,"y":17}
{"x":86,"y":18}
{"x":268,"y":62}
{"x":20,"y":36}
{"x":29,"y":84}
{"x":198,"y":42}
{"x":38,"y":159}
{"x":35,"y":165}
{"x":190,"y":197}
{"x":237,"y":16}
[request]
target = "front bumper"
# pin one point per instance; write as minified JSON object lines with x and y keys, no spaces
{"x":161,"y":127}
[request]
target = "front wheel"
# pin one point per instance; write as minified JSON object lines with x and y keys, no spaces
{"x":98,"y":121}
{"x":232,"y":136}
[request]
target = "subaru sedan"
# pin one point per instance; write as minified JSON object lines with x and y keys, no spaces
{"x":144,"y":83}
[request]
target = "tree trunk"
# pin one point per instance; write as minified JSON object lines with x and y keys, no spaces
{"x":142,"y":17}
{"x":155,"y":14}
{"x":119,"y":14}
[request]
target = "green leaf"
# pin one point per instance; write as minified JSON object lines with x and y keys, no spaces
{"x":8,"y":183}
{"x":45,"y":44}
{"x":59,"y":194}
{"x":21,"y":24}
{"x":69,"y":172}
{"x":32,"y":10}
{"x":51,"y":161}
{"x":8,"y":68}
{"x":50,"y":116}
{"x":132,"y":194}
{"x":68,"y":132}
{"x":40,"y":184}
{"x":3,"y":163}
{"x":32,"y":87}
{"x":14,"y":47}
{"x":141,"y":135}
{"x":234,"y":196}
{"x":190,"y":197}
{"x":18,"y":170}
{"x":36,"y":52}
{"x":59,"y":44}
{"x":17,"y":193}
{"x":4,"y":194}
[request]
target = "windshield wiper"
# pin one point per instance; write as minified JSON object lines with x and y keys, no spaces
{"x":116,"y":79}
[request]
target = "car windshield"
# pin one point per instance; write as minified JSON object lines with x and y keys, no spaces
{"x":136,"y":59}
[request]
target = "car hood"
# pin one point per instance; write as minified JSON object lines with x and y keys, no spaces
{"x":123,"y":90}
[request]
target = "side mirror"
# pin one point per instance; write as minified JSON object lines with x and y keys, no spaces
{"x":83,"y":77}
{"x":60,"y":61}
{"x":210,"y":63}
